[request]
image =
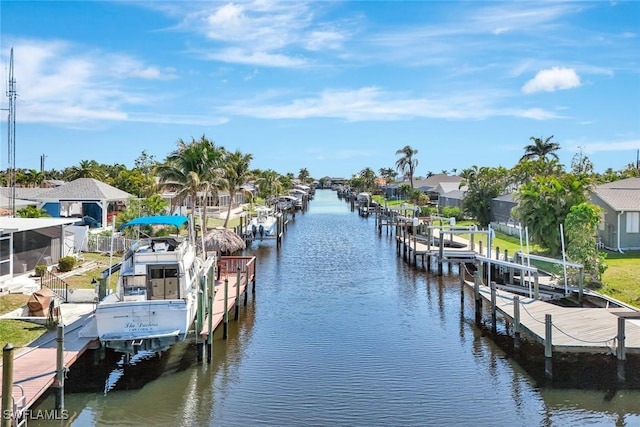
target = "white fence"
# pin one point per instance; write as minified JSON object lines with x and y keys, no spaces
{"x":103,"y":244}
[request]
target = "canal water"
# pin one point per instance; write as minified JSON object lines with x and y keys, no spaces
{"x":341,"y":332}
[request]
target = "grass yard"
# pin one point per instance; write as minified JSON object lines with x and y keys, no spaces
{"x":621,"y":280}
{"x":16,"y":332}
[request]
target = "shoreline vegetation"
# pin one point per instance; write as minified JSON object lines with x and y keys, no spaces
{"x":618,"y":281}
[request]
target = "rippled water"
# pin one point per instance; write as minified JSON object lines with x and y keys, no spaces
{"x":343,"y":332}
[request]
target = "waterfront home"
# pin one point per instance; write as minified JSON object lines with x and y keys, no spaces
{"x":619,"y":228}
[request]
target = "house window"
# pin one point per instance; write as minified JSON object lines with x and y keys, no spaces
{"x":602,"y":222}
{"x":633,"y":222}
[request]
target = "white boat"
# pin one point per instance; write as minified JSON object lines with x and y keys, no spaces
{"x":265,"y":224}
{"x":155,"y":301}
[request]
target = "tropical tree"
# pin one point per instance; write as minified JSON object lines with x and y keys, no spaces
{"x":368,"y":179}
{"x":31,"y":212}
{"x":541,"y":149}
{"x":407,"y":164}
{"x":268,"y":184}
{"x":389,"y":174}
{"x":404,"y":190}
{"x":193,"y":168}
{"x":134,"y":181}
{"x":581,"y":229}
{"x":545,"y":201}
{"x":526,"y":170}
{"x":235,"y":173}
{"x":483,"y":185}
{"x":86,"y":169}
{"x":303,"y":175}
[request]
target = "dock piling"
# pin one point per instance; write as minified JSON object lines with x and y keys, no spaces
{"x":461,"y":274}
{"x":476,"y":293}
{"x":225,"y":326}
{"x":210,"y":295}
{"x":7,"y":385}
{"x":516,"y":323}
{"x":548,"y":346}
{"x":621,"y":350}
{"x":58,"y":384}
{"x":494,"y":327}
{"x":237,"y":306}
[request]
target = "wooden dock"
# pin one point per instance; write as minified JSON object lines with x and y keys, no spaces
{"x":575,"y":329}
{"x":34,"y":366}
{"x":236,"y":274}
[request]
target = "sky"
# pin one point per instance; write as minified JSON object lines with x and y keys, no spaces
{"x":333,"y":87}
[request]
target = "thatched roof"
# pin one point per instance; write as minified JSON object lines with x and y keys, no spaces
{"x":223,"y":240}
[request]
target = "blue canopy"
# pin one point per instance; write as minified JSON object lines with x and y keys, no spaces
{"x":174,"y":220}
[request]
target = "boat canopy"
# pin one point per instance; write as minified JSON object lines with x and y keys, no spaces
{"x":174,"y":220}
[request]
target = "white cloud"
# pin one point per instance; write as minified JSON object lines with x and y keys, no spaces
{"x":551,"y":80}
{"x":604,"y":146}
{"x":64,"y":83}
{"x":372,"y":103}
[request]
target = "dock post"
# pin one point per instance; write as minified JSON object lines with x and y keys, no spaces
{"x":581,"y":285}
{"x":472,"y":244}
{"x":621,"y":350}
{"x":494,"y":327}
{"x":246,"y":286}
{"x":58,"y":383}
{"x":476,"y":293}
{"x":7,"y":385}
{"x":548,"y":346}
{"x":237,"y":313}
{"x":200,"y":317}
{"x":225,"y":326}
{"x":210,"y":294}
{"x":440,"y":253}
{"x":536,"y":285}
{"x":461,"y":273}
{"x":516,"y":323}
{"x":253,"y":282}
{"x":480,"y":247}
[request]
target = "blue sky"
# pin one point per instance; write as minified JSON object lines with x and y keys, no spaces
{"x":333,"y":87}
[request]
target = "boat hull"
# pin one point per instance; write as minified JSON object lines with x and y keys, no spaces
{"x":132,"y":326}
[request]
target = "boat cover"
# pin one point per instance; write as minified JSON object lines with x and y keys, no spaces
{"x":174,"y":220}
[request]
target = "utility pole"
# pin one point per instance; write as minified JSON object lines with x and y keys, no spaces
{"x":11,"y":140}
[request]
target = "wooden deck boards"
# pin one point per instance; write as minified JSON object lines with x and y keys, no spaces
{"x":575,"y":329}
{"x":34,"y":367}
{"x":218,"y":300}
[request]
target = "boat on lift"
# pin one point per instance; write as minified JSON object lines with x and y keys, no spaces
{"x":265,"y":224}
{"x":155,"y":300}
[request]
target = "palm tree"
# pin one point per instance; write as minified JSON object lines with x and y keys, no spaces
{"x":269,"y":184}
{"x":86,"y":169}
{"x":235,"y":172}
{"x":407,"y":164}
{"x":191,"y":169}
{"x":303,"y":175}
{"x":389,"y":174}
{"x":368,"y":179}
{"x":540,"y":149}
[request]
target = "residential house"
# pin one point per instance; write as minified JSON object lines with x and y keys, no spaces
{"x":619,"y":228}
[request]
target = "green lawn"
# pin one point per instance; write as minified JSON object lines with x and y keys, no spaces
{"x":620,"y":281}
{"x":16,"y":332}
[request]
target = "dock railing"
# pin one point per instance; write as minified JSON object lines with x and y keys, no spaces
{"x":230,"y":265}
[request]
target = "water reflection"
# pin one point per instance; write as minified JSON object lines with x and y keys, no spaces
{"x":343,"y":332}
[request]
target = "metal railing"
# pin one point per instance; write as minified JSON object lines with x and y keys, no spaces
{"x":55,"y":283}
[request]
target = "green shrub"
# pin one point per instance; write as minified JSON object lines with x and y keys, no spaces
{"x":40,"y":270}
{"x":66,"y":263}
